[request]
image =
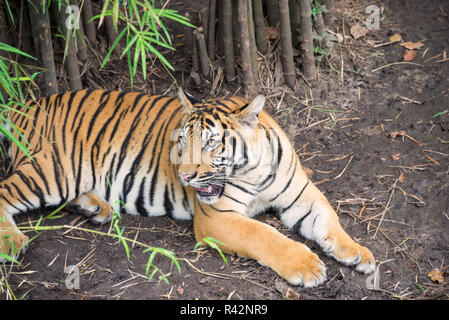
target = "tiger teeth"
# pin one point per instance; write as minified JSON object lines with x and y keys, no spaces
{"x":207,"y":190}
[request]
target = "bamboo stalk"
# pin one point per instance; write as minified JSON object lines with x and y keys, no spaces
{"x":252,"y":40}
{"x":211,"y":30}
{"x":188,"y":35}
{"x":319,"y":22}
{"x":228,"y":42}
{"x":295,"y":20}
{"x":320,"y":29}
{"x":308,"y":58}
{"x":259,"y":26}
{"x":79,"y":35}
{"x":245,"y":49}
{"x":112,"y":34}
{"x":3,"y":25}
{"x":42,"y":22}
{"x":71,"y":60}
{"x":219,"y":32}
{"x":91,"y":32}
{"x":202,"y":52}
{"x":273,"y":12}
{"x":204,"y":19}
{"x":195,"y":54}
{"x":288,"y":65}
{"x":26,"y":34}
{"x":236,"y":26}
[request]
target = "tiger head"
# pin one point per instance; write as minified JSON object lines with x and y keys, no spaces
{"x":216,"y":139}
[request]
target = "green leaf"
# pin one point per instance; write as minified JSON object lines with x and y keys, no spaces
{"x":213,"y":243}
{"x":9,"y":258}
{"x":7,"y":47}
{"x":159,"y":55}
{"x":108,"y":55}
{"x":11,"y":137}
{"x":440,"y":113}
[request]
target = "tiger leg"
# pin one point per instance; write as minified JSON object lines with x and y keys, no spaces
{"x":92,"y":206}
{"x":12,"y":240}
{"x":315,"y":219}
{"x":19,"y":193}
{"x":250,"y":238}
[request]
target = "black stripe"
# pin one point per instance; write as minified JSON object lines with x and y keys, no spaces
{"x":37,"y":192}
{"x":223,"y":105}
{"x":79,"y":106}
{"x":240,"y":188}
{"x":57,"y":170}
{"x":209,"y":122}
{"x":294,"y":201}
{"x":79,"y":172}
{"x":66,"y":118}
{"x":241,"y":108}
{"x":23,"y":200}
{"x":41,"y":175}
{"x":287,"y":185}
{"x":5,"y":186}
{"x":219,"y":210}
{"x":201,"y":208}
{"x":115,"y":129}
{"x":168,"y":205}
{"x":298,"y":224}
{"x":109,"y":179}
{"x":102,"y":103}
{"x":185,"y":200}
{"x":279,"y":151}
{"x":233,"y":199}
{"x":140,"y":201}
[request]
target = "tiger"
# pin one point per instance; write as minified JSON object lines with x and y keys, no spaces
{"x":219,"y":161}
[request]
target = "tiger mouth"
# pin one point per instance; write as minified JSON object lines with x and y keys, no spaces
{"x":212,"y":190}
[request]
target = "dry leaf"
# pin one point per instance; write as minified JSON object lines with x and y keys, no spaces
{"x":272,"y":32}
{"x":436,"y":275}
{"x":309,"y":172}
{"x":409,"y":55}
{"x":358,"y":31}
{"x":401,"y":177}
{"x":180,"y":290}
{"x":393,"y":134}
{"x":292,"y":294}
{"x":396,"y":156}
{"x":395,"y":38}
{"x":412,"y":45}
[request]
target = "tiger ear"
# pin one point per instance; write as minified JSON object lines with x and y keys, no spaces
{"x":187,"y":100}
{"x":248,"y":116}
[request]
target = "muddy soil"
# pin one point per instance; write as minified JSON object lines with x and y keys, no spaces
{"x":376,"y":143}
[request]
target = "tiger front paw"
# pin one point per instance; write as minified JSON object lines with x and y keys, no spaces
{"x":92,"y":207}
{"x":358,"y":256}
{"x":12,"y":243}
{"x":305,"y":269}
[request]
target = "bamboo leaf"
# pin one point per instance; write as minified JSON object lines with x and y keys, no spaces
{"x":7,"y":47}
{"x":106,"y":59}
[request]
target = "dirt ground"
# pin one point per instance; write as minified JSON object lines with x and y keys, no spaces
{"x":376,"y":141}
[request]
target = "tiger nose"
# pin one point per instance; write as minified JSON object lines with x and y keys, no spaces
{"x":187,"y":177}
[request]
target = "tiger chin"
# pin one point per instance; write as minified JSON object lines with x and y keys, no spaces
{"x":220,"y":161}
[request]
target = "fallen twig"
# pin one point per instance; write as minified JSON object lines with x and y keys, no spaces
{"x":341,"y":173}
{"x":395,"y":63}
